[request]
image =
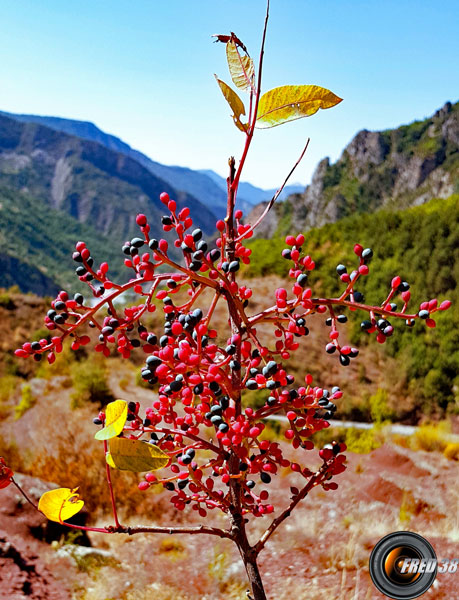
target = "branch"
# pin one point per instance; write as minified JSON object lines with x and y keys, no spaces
{"x":132,"y":530}
{"x":260,"y":68}
{"x":265,"y":315}
{"x":277,"y":521}
{"x":176,"y":530}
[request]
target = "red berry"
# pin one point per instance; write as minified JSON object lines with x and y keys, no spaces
{"x":396,"y":281}
{"x":299,"y":240}
{"x":445,"y":304}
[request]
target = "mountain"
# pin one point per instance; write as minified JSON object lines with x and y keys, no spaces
{"x":204,"y":185}
{"x":59,"y":184}
{"x":395,"y":168}
{"x":85,"y":179}
{"x":179,"y":178}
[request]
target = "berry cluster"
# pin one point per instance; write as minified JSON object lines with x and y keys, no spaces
{"x":216,"y":448}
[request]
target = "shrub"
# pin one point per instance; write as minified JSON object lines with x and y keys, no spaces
{"x":452,"y":451}
{"x":212,"y":453}
{"x":27,"y":401}
{"x":378,"y":407}
{"x":432,"y":437}
{"x":8,"y":384}
{"x":90,"y":382}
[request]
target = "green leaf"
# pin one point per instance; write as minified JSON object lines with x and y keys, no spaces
{"x":135,"y":455}
{"x":115,"y":418}
{"x":240,"y":67}
{"x":61,"y":504}
{"x":236,"y":104}
{"x":289,"y":102}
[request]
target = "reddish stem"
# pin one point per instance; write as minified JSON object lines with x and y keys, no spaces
{"x":110,"y":487}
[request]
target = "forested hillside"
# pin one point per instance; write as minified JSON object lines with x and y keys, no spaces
{"x":421,"y":245}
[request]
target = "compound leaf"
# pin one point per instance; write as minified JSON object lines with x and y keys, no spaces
{"x":236,"y":104}
{"x":240,"y":67}
{"x":61,"y":504}
{"x":115,"y":418}
{"x":135,"y":455}
{"x":289,"y":102}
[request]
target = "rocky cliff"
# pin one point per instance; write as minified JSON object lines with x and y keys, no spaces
{"x":396,"y":168}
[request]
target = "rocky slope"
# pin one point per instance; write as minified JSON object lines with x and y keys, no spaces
{"x":396,"y":168}
{"x":84,"y":179}
{"x":56,"y":189}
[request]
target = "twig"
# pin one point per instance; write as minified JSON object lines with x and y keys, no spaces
{"x":24,"y":494}
{"x":276,"y":195}
{"x":265,"y":315}
{"x":235,"y":182}
{"x":278,"y":520}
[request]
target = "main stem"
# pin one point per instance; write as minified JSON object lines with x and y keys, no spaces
{"x":238,"y":528}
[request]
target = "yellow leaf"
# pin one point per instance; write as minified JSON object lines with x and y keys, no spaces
{"x":61,"y":504}
{"x":240,"y":67}
{"x":115,"y":418}
{"x":236,"y":104}
{"x":135,"y":455}
{"x":290,"y":102}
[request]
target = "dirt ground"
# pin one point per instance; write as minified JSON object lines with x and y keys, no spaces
{"x":321,"y":552}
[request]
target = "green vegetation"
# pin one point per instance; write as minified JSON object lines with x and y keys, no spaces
{"x":364,"y":441}
{"x":421,"y":245}
{"x":5,"y":300}
{"x":90,"y":382}
{"x":8,"y":384}
{"x":379,"y":409}
{"x":27,"y":401}
{"x":62,"y":366}
{"x":42,"y":260}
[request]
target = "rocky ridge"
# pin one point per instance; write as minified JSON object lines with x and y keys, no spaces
{"x":396,"y":168}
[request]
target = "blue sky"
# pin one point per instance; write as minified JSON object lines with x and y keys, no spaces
{"x":143,"y":70}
